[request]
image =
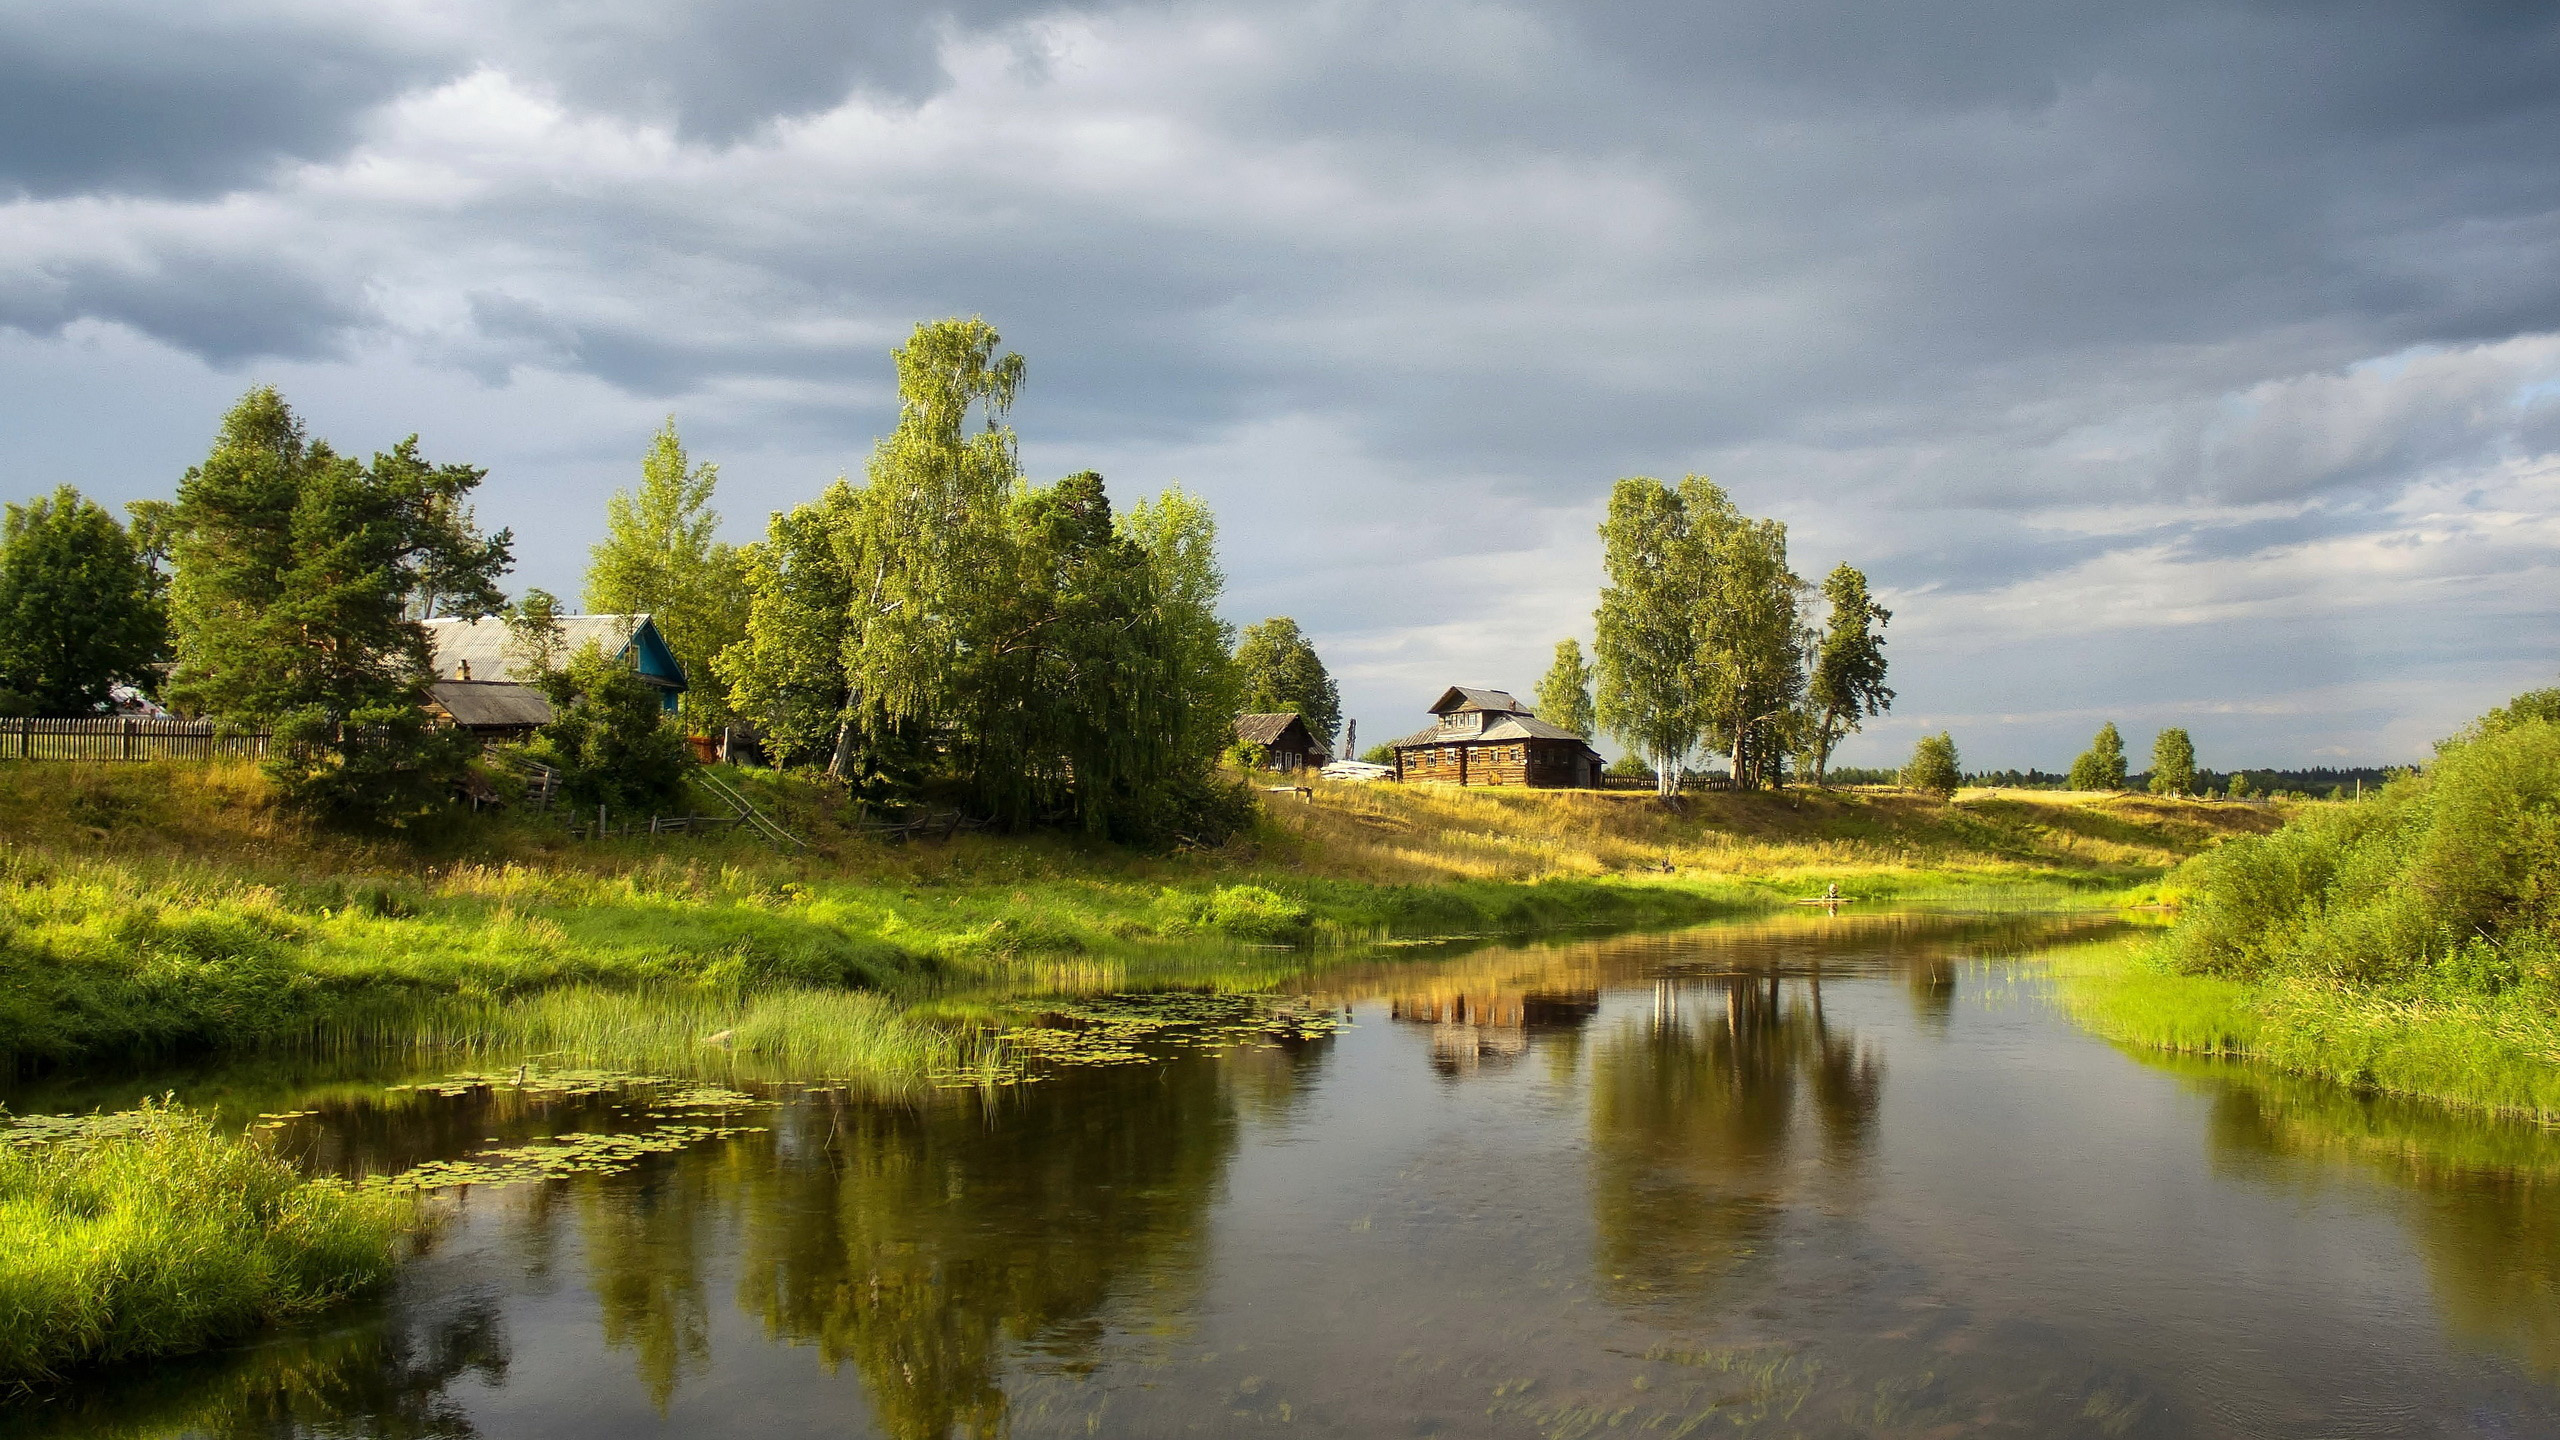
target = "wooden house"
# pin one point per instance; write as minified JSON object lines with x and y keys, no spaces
{"x":1484,"y":737}
{"x":478,"y":651}
{"x":1284,"y":741}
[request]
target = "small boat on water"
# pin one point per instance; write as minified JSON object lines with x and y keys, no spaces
{"x":1823,"y":900}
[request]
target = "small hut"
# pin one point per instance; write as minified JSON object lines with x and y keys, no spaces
{"x":1283,"y":740}
{"x":490,"y":709}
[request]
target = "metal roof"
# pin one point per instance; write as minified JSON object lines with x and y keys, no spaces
{"x":482,"y":645}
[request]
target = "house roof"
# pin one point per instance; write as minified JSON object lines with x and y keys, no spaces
{"x":483,"y":645}
{"x":1267,"y":729}
{"x":491,"y":704}
{"x":1521,"y":726}
{"x":1459,"y":698}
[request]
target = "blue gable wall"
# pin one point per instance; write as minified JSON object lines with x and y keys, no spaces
{"x":655,"y":661}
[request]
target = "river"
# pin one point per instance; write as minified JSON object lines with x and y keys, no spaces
{"x":1808,"y":1176}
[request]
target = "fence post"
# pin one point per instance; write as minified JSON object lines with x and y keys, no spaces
{"x":27,"y":738}
{"x":128,"y":739}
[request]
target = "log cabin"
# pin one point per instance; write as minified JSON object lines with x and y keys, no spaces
{"x":1283,"y":739}
{"x":1484,"y":737}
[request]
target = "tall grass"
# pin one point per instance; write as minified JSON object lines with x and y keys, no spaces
{"x":166,"y":1236}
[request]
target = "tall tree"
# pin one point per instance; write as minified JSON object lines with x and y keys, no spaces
{"x":1280,"y":671}
{"x":80,"y":609}
{"x":2173,"y":763}
{"x":1564,"y":694}
{"x":1934,"y":766}
{"x":1647,"y":641}
{"x":1846,"y":686}
{"x":2101,"y":766}
{"x":300,"y":577}
{"x":789,"y":672}
{"x":660,"y":555}
{"x":1750,"y":662}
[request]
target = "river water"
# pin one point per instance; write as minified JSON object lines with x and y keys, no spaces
{"x":1805,"y":1177}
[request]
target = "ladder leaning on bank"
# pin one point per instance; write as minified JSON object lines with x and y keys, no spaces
{"x":748,"y":815}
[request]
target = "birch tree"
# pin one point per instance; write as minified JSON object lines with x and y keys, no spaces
{"x":1564,"y":695}
{"x":1646,"y":643}
{"x":661,"y":557}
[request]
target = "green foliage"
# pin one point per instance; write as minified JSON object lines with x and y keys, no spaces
{"x":80,"y":608}
{"x":1699,"y":641}
{"x":2448,"y":880}
{"x":610,"y":738}
{"x":1847,"y":684}
{"x":300,"y":574}
{"x":536,"y":644}
{"x":945,"y":628}
{"x":2173,"y":763}
{"x":1564,"y":694}
{"x":1933,"y":767}
{"x":1279,"y":672}
{"x":659,"y":557}
{"x":160,"y":1236}
{"x":2101,"y":766}
{"x":1646,"y":643}
{"x":1381,"y":753}
{"x":1242,"y":912}
{"x":381,"y":766}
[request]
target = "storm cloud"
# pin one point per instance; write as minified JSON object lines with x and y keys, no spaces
{"x":2186,"y":363}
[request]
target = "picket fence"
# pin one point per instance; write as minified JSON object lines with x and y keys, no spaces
{"x":115,"y":737}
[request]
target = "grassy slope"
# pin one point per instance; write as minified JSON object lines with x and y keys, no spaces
{"x":158,"y":908}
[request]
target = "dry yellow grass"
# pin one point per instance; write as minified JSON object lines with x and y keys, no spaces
{"x":1419,"y":834}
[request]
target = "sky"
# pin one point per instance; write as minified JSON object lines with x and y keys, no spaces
{"x":2186,"y":364}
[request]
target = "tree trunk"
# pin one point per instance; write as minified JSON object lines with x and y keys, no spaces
{"x":843,"y":757}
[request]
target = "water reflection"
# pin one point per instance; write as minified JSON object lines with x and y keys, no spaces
{"x":917,"y":1246}
{"x":1704,"y":1113}
{"x":2481,"y":1197}
{"x":1640,"y":1183}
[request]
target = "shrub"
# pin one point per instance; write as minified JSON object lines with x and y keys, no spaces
{"x":610,"y":736}
{"x":2452,"y":873}
{"x":159,"y":1235}
{"x":1934,"y":767}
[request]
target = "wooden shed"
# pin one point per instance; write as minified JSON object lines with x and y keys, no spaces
{"x":1284,"y":741}
{"x":1485,"y":737}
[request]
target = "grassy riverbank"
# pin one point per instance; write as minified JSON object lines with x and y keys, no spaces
{"x":159,"y":909}
{"x":160,"y":1236}
{"x":2408,"y":943}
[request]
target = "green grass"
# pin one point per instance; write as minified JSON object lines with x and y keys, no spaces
{"x":2496,"y":1052}
{"x":164,"y":1236}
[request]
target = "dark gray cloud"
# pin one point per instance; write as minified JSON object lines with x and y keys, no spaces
{"x":2109,"y":313}
{"x":181,"y":100}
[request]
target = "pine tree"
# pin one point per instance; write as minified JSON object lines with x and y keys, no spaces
{"x":1646,"y":644}
{"x":300,"y":577}
{"x":80,"y":609}
{"x":1564,"y":695}
{"x":1847,"y":684}
{"x":660,"y":557}
{"x":2101,"y":766}
{"x":1280,"y":672}
{"x":1934,"y":767}
{"x":2173,"y":763}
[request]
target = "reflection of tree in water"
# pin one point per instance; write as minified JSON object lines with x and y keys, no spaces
{"x":386,"y":1380}
{"x":2482,"y":1195}
{"x":1700,"y":1110}
{"x":644,"y":1259}
{"x":918,"y":1244}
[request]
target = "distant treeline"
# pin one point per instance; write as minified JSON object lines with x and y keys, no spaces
{"x":2319,"y":783}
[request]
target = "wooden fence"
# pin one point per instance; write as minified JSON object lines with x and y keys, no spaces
{"x":118,"y":738}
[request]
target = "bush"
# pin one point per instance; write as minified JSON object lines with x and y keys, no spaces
{"x":156,"y":1235}
{"x":2438,"y":876}
{"x":1242,"y":912}
{"x":1933,"y":766}
{"x":384,"y":766}
{"x":610,"y":737}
